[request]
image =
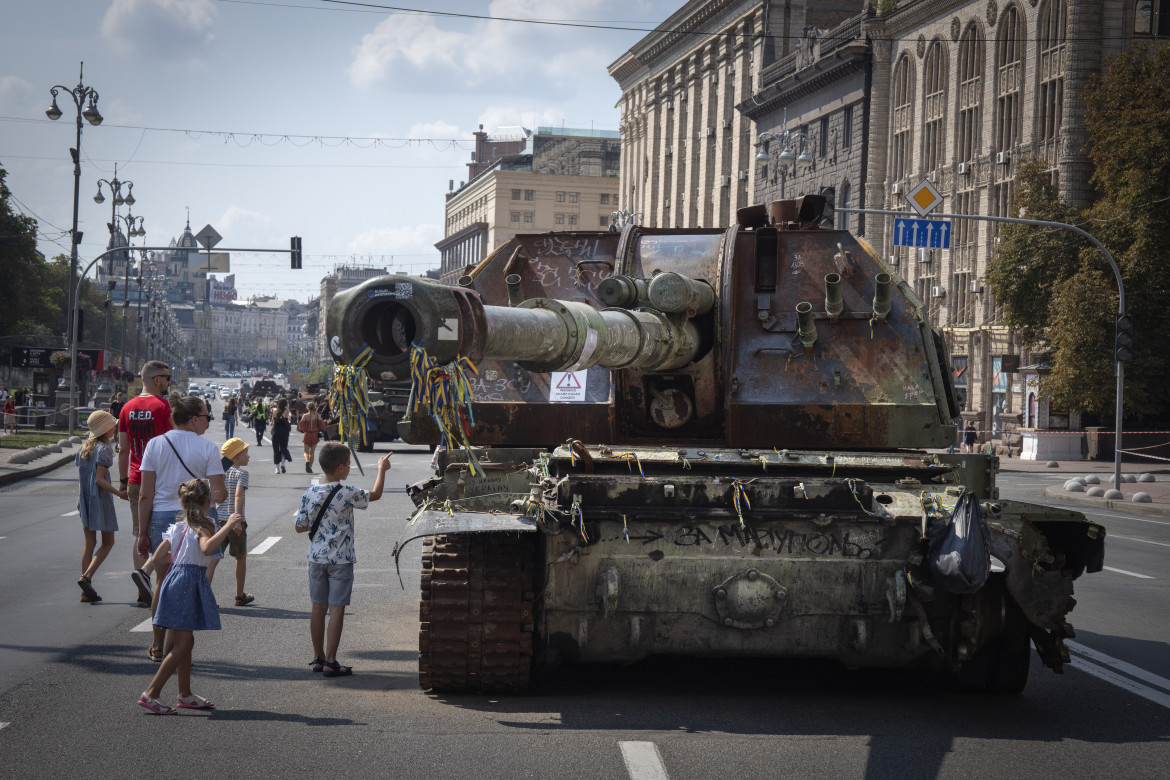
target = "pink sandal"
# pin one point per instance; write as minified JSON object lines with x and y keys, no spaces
{"x":194,"y":702}
{"x":155,"y":706}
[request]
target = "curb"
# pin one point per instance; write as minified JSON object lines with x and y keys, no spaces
{"x":21,"y":474}
{"x":1157,"y":510}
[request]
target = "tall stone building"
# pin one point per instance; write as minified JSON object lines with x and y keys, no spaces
{"x":564,"y":179}
{"x":688,"y":157}
{"x":961,"y":94}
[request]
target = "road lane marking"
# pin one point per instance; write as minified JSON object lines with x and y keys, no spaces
{"x":1130,"y":573}
{"x":71,"y":514}
{"x":1118,"y":664}
{"x":1135,"y":539}
{"x":1135,"y":519}
{"x":643,"y":761}
{"x":1124,"y":683}
{"x":145,"y":625}
{"x":264,"y":546}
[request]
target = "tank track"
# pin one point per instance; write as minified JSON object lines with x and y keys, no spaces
{"x":476,"y":613}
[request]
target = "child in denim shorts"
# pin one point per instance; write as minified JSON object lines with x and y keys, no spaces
{"x":331,"y":550}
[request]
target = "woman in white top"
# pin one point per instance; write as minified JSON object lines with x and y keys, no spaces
{"x":167,"y":462}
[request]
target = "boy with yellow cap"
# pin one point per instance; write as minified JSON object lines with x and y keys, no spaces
{"x":235,"y":457}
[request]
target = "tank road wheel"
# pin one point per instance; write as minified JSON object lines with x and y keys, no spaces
{"x":476,"y":619}
{"x":1001,"y":666}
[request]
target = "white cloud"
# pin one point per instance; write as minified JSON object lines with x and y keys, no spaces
{"x":239,"y":221}
{"x":169,"y":29}
{"x":13,"y":88}
{"x":423,"y":51}
{"x":404,"y":240}
{"x":510,"y":116}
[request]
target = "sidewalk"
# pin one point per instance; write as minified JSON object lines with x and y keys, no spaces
{"x":14,"y":472}
{"x":1158,"y":490}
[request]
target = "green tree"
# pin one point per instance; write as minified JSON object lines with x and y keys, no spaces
{"x":28,"y":302}
{"x":1059,"y":291}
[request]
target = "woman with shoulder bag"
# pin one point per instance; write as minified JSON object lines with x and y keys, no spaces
{"x":168,"y":461}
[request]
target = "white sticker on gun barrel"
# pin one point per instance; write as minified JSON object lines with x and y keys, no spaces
{"x":587,"y":350}
{"x":449,"y":330}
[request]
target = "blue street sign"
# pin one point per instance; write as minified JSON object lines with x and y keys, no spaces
{"x":935,"y":234}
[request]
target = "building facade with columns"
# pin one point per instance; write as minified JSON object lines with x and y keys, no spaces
{"x":688,"y":156}
{"x":962,"y":93}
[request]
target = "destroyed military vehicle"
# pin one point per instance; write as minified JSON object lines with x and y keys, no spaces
{"x":707,"y":442}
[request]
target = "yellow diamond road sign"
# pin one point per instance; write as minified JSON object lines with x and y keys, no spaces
{"x":923,"y":198}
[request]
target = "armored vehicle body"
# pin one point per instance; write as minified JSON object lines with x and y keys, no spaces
{"x":710,"y":443}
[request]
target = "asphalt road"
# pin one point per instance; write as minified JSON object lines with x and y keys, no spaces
{"x":70,"y":673}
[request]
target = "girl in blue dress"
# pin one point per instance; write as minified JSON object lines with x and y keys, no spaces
{"x":186,"y":603}
{"x":95,"y":498}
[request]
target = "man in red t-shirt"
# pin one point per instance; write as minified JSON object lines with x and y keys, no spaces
{"x":141,"y":419}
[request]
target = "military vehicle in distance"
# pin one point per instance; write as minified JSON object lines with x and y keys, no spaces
{"x":708,"y":443}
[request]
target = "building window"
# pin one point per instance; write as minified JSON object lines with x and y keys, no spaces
{"x":560,"y":197}
{"x":615,"y":199}
{"x":1009,"y":79}
{"x":560,"y":219}
{"x":1050,"y":97}
{"x":847,"y":128}
{"x":574,"y":197}
{"x":605,"y":198}
{"x":515,"y":216}
{"x":572,"y":219}
{"x":824,"y":136}
{"x":603,"y":221}
{"x":515,"y":194}
{"x":934,"y":81}
{"x":902,"y":119}
{"x":843,"y":201}
{"x":529,"y":194}
{"x":970,"y":114}
{"x":528,"y":216}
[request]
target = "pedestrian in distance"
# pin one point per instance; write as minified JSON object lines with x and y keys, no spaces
{"x":326,"y":514}
{"x":970,"y":435}
{"x":95,"y":502}
{"x":9,"y":416}
{"x":281,"y":427}
{"x":140,"y":420}
{"x":186,"y":603}
{"x":311,"y":426}
{"x":235,"y":458}
{"x":116,"y":404}
{"x":229,"y":418}
{"x":259,"y":421}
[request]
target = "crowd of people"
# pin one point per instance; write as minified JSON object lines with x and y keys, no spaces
{"x":188,"y":509}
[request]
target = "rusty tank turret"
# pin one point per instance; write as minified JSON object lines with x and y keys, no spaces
{"x":704,"y":442}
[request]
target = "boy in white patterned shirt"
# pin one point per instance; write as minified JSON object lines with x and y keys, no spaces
{"x":327,"y":512}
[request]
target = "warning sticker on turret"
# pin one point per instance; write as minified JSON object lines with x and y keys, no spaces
{"x":567,"y":386}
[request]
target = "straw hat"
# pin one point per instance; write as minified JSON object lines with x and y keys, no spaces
{"x":100,"y":423}
{"x":233,"y":447}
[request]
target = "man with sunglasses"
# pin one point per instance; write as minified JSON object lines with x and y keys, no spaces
{"x":141,"y":419}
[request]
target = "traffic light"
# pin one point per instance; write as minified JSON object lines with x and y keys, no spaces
{"x":1123,"y":341}
{"x":295,"y":251}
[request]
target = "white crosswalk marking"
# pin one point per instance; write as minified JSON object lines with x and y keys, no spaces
{"x":1119,"y":665}
{"x":264,"y":546}
{"x":71,"y":514}
{"x":142,"y":627}
{"x":643,"y":761}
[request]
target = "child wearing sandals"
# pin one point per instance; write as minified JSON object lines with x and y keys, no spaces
{"x":95,"y":500}
{"x":186,"y":603}
{"x":326,"y":512}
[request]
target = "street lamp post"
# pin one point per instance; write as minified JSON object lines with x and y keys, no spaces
{"x":134,"y":229}
{"x":80,"y":95}
{"x":116,"y":200}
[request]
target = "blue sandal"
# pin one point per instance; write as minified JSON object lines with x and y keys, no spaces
{"x":334,"y":669}
{"x":318,"y":664}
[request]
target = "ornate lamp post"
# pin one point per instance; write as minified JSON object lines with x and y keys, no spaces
{"x":117,"y":199}
{"x":134,"y":229}
{"x":80,"y":95}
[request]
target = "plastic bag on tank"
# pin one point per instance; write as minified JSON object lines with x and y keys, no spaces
{"x":959,"y":547}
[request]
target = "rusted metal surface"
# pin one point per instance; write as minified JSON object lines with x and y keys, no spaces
{"x":476,"y":613}
{"x":742,"y":471}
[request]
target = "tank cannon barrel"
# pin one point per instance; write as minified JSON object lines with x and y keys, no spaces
{"x":391,"y":313}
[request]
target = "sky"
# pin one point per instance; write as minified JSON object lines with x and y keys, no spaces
{"x":339,"y":122}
